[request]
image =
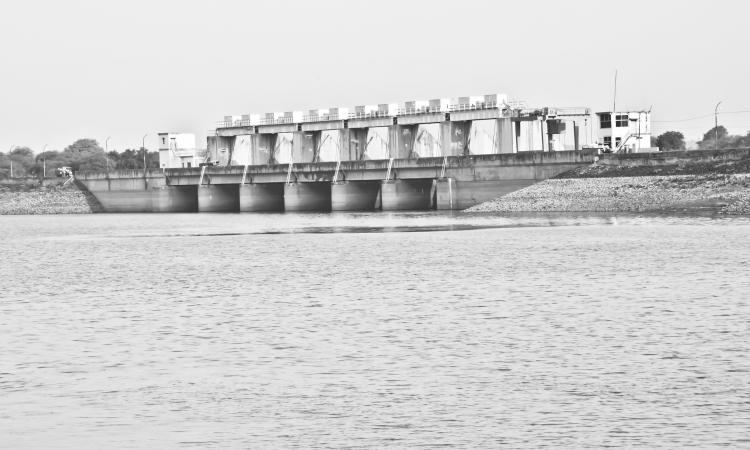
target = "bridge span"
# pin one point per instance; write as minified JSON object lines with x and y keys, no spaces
{"x":450,"y":182}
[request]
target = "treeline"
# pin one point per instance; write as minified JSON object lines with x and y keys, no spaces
{"x":83,"y":154}
{"x":716,"y":137}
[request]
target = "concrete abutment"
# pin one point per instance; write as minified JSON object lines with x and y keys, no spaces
{"x":455,"y":194}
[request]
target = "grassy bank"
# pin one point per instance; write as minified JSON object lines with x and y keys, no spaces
{"x":53,"y":198}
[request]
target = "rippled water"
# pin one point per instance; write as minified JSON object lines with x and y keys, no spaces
{"x":343,"y":330}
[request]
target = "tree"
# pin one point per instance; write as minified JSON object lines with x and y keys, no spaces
{"x":50,"y":159}
{"x":725,"y":140}
{"x":671,"y":140}
{"x":710,"y":135}
{"x":23,"y":161}
{"x":85,"y":154}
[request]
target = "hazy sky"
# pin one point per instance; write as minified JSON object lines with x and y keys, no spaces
{"x":73,"y":69}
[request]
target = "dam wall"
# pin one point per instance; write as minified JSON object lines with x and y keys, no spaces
{"x":449,"y":182}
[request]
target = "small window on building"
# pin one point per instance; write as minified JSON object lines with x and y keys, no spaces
{"x":605,"y":121}
{"x":164,"y":141}
{"x":621,"y":120}
{"x":608,"y":141}
{"x":190,"y":165}
{"x":617,"y":142}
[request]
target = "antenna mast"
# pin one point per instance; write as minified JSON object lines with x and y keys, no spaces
{"x":614,"y":97}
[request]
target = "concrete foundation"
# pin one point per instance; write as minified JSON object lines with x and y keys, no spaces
{"x":125,"y":201}
{"x":355,"y":196}
{"x":413,"y":194}
{"x":307,"y":197}
{"x":453,"y":194}
{"x":219,"y":198}
{"x":262,"y":197}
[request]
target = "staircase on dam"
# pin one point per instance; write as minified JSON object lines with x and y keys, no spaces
{"x":448,"y":182}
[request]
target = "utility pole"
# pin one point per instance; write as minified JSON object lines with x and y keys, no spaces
{"x":716,"y":127}
{"x":614,"y":98}
{"x":10,"y":157}
{"x":143,"y":147}
{"x":44,"y":162}
{"x":106,"y":151}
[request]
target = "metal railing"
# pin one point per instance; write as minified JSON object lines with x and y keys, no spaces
{"x":321,"y":118}
{"x":474,"y":106}
{"x":276,"y":121}
{"x":365,"y":115}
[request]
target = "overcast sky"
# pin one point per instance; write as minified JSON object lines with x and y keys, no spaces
{"x":73,"y":69}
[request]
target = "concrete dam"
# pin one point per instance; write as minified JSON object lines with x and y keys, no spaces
{"x":437,"y":154}
{"x":451,"y":182}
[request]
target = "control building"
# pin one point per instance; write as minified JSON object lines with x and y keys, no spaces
{"x":178,"y":150}
{"x":624,"y":131}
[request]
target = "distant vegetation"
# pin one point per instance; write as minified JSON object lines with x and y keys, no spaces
{"x":674,"y":140}
{"x":87,"y":154}
{"x":83,"y":154}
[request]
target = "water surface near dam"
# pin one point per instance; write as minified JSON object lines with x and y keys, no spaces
{"x":335,"y":330}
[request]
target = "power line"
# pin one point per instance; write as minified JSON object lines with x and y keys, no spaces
{"x":701,"y":117}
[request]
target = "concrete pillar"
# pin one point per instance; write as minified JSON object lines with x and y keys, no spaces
{"x":355,"y":196}
{"x":261,"y":197}
{"x":357,"y":139}
{"x":169,"y":199}
{"x":455,"y":137}
{"x":346,"y":148}
{"x":219,"y":198}
{"x":413,"y":194}
{"x":307,"y":197}
{"x":263,"y":147}
{"x":504,"y":135}
{"x":401,"y":140}
{"x":304,"y":144}
{"x":447,"y":194}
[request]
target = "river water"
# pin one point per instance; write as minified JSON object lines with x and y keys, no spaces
{"x":374,"y":331}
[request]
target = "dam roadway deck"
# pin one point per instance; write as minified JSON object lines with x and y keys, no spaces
{"x":452,"y":182}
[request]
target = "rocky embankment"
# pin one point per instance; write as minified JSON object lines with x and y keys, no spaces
{"x":682,"y":185}
{"x":33,"y":198}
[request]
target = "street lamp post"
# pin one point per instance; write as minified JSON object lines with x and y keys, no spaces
{"x":106,"y":151}
{"x":10,"y":157}
{"x":143,"y":147}
{"x":716,"y":127}
{"x":44,"y":162}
